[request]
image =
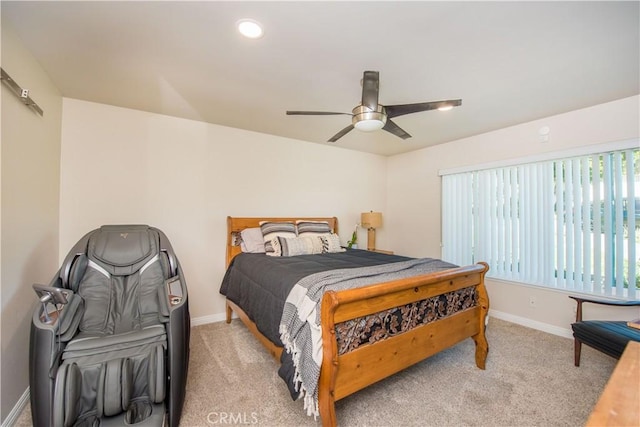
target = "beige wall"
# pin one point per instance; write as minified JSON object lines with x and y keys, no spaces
{"x":186,"y":177}
{"x":413,"y":195}
{"x":29,"y":207}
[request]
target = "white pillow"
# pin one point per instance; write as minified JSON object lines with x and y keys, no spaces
{"x":252,"y":240}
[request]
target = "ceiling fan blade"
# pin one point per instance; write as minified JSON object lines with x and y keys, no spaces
{"x":340,"y":134}
{"x":401,"y":110}
{"x":393,"y":128}
{"x":370,"y":88}
{"x":315,"y":113}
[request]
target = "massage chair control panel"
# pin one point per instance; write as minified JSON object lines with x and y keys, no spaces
{"x":174,"y":290}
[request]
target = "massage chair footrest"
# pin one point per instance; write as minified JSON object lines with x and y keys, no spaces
{"x":151,"y":416}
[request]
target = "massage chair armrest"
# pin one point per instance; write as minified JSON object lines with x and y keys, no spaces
{"x":60,"y":311}
{"x":580,"y":300}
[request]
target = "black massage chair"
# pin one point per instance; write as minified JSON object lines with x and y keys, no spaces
{"x":110,"y":339}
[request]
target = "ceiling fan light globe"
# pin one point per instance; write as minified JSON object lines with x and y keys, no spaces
{"x":369,"y":125}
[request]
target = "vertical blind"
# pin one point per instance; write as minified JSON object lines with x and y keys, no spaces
{"x":567,"y":223}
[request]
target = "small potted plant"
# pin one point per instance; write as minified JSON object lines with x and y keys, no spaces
{"x":353,"y":243}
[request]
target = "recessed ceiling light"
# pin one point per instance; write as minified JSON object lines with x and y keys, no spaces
{"x":250,"y":28}
{"x":446,"y":108}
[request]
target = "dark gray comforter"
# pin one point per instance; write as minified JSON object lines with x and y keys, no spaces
{"x":260,"y":284}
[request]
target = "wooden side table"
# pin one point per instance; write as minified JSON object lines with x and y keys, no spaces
{"x":619,"y":404}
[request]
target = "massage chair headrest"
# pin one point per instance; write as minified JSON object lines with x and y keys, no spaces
{"x":123,"y":249}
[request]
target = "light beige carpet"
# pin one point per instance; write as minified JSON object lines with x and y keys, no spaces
{"x":530,"y":380}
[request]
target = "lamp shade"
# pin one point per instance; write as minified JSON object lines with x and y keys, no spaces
{"x":371,"y":219}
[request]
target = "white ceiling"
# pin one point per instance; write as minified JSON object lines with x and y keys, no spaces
{"x":510,"y":62}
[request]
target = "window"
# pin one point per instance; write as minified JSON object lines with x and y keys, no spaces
{"x":568,"y":223}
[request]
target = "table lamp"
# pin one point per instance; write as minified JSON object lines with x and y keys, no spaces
{"x":371,"y":221}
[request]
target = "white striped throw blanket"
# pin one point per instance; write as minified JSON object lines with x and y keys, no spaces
{"x":300,"y":324}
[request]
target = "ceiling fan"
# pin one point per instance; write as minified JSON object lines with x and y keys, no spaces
{"x":370,"y":116}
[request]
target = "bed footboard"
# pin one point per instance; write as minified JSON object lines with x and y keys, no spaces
{"x":345,"y":372}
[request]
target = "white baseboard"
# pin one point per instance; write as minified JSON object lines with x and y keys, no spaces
{"x":533,"y":324}
{"x":17,"y":410}
{"x":212,"y":318}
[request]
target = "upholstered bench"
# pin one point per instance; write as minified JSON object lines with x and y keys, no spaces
{"x":609,"y":337}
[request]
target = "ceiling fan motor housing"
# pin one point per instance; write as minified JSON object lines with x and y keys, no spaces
{"x":367,"y":120}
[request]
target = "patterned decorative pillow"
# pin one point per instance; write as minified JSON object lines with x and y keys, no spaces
{"x":312,"y":228}
{"x":306,"y":245}
{"x":271,"y":230}
{"x":331,"y":244}
{"x":274,"y":247}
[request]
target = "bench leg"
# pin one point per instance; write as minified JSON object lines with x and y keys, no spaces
{"x":576,"y":350}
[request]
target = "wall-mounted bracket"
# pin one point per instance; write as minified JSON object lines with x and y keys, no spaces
{"x":21,"y":93}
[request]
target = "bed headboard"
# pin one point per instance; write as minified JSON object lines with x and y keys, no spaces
{"x":236,"y":224}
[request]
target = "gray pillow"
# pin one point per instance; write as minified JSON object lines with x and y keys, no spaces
{"x":312,"y":228}
{"x":271,"y":230}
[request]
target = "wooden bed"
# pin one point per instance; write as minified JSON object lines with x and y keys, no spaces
{"x":344,"y":374}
